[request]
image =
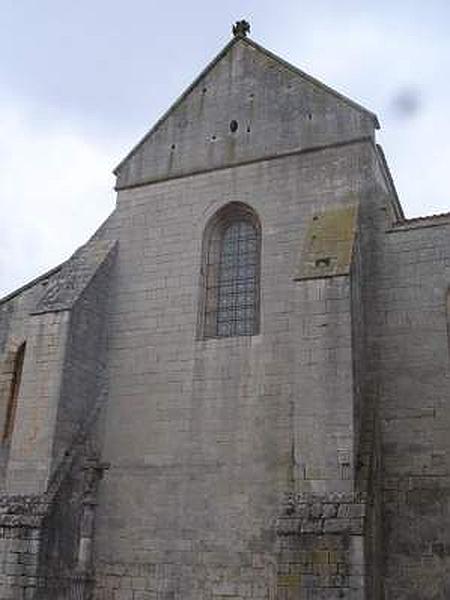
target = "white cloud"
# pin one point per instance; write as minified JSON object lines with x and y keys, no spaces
{"x":418,"y":152}
{"x":55,"y":190}
{"x":373,"y":61}
{"x":56,"y":182}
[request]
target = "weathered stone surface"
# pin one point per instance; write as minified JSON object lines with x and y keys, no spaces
{"x":310,"y":461}
{"x":329,"y":241}
{"x":277,"y":108}
{"x":67,"y":285}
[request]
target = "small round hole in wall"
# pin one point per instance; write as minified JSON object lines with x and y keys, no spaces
{"x":233,"y":126}
{"x":213,"y":138}
{"x":248,"y":129}
{"x":309,"y":116}
{"x":172,"y":147}
{"x":204,"y":90}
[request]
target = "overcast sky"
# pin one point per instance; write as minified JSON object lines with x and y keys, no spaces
{"x":81,"y":81}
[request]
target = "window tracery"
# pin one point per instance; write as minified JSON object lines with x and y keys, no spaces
{"x":231,"y":273}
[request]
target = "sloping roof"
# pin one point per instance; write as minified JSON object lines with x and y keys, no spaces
{"x":74,"y":276}
{"x":440,"y":219}
{"x":67,"y":278}
{"x":268,"y":54}
{"x":30,"y":284}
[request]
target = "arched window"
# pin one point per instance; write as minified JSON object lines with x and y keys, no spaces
{"x":13,"y":395}
{"x":230,"y":273}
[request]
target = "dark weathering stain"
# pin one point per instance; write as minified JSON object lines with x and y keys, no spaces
{"x":5,"y":318}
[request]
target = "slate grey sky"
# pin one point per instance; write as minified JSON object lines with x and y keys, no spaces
{"x":81,"y":82}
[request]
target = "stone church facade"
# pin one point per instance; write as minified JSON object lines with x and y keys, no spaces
{"x":238,"y":388}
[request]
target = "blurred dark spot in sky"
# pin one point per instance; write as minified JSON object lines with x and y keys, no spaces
{"x":406,"y":103}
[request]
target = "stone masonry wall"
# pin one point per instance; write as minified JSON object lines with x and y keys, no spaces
{"x":20,"y":536}
{"x":41,"y":535}
{"x":321,"y":548}
{"x":411,"y":358}
{"x":205,"y":437}
{"x":46,"y":537}
{"x":29,"y":465}
{"x":373,"y":219}
{"x":15,"y":328}
{"x":85,"y":358}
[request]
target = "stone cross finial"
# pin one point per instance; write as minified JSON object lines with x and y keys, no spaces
{"x":241,"y":28}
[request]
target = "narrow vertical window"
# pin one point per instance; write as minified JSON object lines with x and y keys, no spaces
{"x":14,"y":394}
{"x":448,"y":321}
{"x":231,"y":273}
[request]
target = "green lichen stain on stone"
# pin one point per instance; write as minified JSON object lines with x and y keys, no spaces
{"x":290,"y":581}
{"x":320,"y":557}
{"x":328,"y":247}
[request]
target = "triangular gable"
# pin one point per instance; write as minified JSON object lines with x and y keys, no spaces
{"x":278,"y":109}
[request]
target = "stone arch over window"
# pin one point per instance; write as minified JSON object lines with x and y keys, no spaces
{"x":230,"y":275}
{"x":12,"y":375}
